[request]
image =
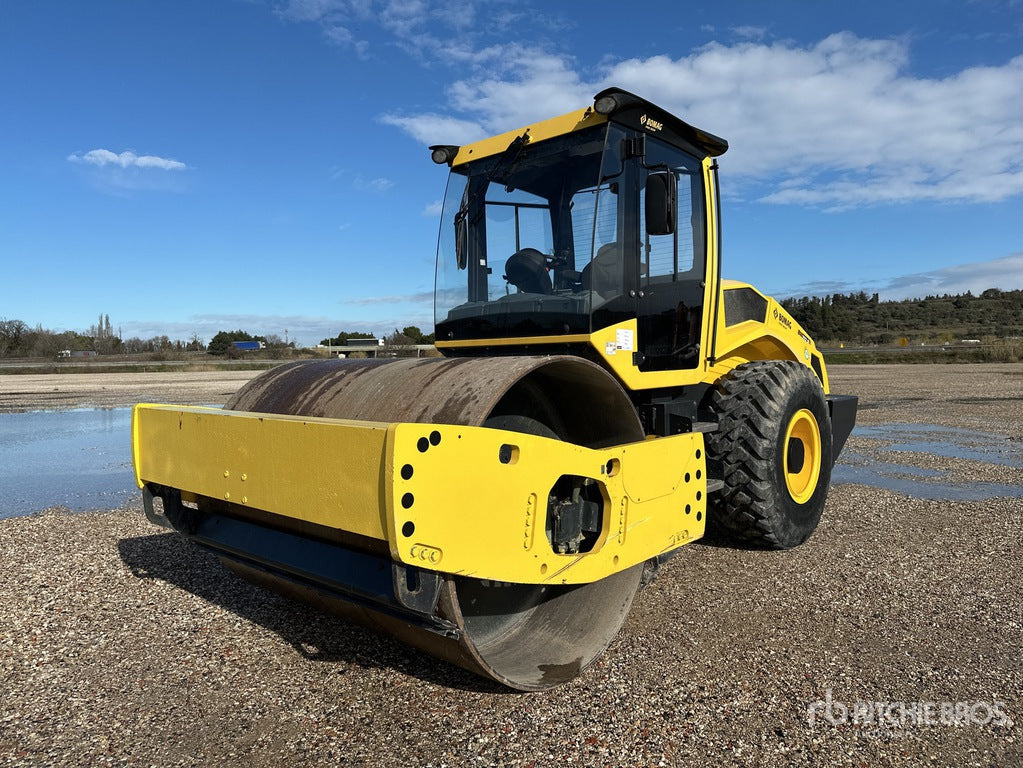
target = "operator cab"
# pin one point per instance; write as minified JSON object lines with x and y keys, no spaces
{"x":576,"y":225}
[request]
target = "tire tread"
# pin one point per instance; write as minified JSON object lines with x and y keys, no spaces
{"x":751,"y":403}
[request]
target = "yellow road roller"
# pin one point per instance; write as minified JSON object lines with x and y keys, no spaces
{"x":602,"y":397}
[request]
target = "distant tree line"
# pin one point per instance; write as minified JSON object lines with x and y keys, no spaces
{"x":856,"y":318}
{"x":222,"y":343}
{"x":18,"y":339}
{"x":408,"y":335}
{"x":342,"y":338}
{"x":860,"y":318}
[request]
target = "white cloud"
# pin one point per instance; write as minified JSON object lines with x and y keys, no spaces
{"x":842,"y":122}
{"x":839,"y":123}
{"x":532,"y":85}
{"x":1005,"y":273}
{"x":126,"y":159}
{"x":335,"y":17}
{"x":434,"y":209}
{"x":423,"y":298}
{"x":378,"y":185}
{"x":750,"y":32}
{"x":404,"y":17}
{"x":311,"y":10}
{"x":822,"y":288}
{"x":430,"y":128}
{"x":360,"y":182}
{"x":467,"y":34}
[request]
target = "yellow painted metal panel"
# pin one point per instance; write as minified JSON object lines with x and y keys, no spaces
{"x":649,"y":476}
{"x":712,"y":304}
{"x":445,"y":497}
{"x":135,"y":443}
{"x":779,"y":338}
{"x":326,"y":471}
{"x":547,"y":129}
{"x":616,"y":343}
{"x":457,"y":506}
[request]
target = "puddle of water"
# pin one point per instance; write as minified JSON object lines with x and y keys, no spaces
{"x":951,"y":442}
{"x":80,"y":459}
{"x":857,"y":462}
{"x":930,"y":484}
{"x":902,"y":478}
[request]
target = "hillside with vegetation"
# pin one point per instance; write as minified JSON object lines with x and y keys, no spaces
{"x":861,"y":319}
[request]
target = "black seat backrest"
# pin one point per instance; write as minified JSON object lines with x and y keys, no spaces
{"x":604,"y":273}
{"x":527,"y":271}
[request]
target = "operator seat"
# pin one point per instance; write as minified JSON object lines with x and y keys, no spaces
{"x":604,"y":274}
{"x":527,"y":271}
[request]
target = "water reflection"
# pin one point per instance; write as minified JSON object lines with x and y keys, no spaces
{"x":932,"y":484}
{"x":80,"y":459}
{"x":952,"y":442}
{"x":920,"y":483}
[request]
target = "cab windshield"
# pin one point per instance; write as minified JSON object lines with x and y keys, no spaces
{"x":517,"y":233}
{"x":550,"y":239}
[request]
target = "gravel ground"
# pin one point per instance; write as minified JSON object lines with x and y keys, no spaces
{"x":24,"y":392}
{"x":121,"y":644}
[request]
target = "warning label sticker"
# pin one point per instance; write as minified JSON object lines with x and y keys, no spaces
{"x":624,"y":340}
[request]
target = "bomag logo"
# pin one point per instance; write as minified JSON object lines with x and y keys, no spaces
{"x":782,"y":318}
{"x":650,"y":124}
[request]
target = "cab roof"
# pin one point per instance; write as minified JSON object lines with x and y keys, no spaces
{"x":613,"y":104}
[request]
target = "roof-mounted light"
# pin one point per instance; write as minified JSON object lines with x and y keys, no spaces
{"x":443,"y":153}
{"x":605,"y":105}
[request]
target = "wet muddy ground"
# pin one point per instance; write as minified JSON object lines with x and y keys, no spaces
{"x":937,"y":432}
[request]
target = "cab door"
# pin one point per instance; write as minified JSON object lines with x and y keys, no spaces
{"x":670,"y":265}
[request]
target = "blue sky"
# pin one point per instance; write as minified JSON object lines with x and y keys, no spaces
{"x":189,"y":166}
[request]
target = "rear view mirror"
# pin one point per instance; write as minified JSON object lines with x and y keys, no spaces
{"x":661,"y":203}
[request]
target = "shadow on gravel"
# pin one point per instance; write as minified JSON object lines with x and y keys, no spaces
{"x":315,"y":635}
{"x":718,"y":539}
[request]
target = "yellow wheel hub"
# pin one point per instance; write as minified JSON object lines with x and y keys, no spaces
{"x":802,"y":456}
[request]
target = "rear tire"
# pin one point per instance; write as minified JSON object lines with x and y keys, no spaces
{"x":773,"y":451}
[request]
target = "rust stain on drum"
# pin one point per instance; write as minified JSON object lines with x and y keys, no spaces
{"x":444,"y":391}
